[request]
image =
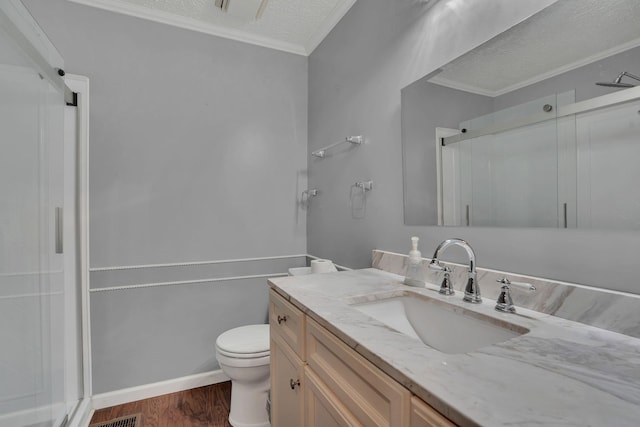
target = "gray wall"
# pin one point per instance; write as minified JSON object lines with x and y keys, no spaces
{"x":198,"y":152}
{"x":355,"y":78}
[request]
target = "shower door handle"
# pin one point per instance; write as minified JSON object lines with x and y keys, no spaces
{"x":59,"y":229}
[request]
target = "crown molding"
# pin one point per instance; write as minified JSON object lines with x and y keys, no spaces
{"x":328,"y":24}
{"x":461,"y":86}
{"x":162,"y":17}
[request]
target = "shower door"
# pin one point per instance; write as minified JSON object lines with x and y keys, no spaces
{"x":32,"y":390}
{"x":608,"y":153}
{"x":508,"y":178}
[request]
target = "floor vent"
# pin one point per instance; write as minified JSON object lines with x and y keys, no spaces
{"x":128,"y":421}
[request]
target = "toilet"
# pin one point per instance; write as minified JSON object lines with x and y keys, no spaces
{"x":243,"y":354}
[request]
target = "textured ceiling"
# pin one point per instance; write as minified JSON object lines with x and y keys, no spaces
{"x":292,"y":25}
{"x":565,"y":35}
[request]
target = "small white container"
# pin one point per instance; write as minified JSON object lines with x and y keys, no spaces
{"x":413,"y":276}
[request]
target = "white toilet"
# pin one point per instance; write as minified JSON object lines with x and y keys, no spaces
{"x":243,"y":355}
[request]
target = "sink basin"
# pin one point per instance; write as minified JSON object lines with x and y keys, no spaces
{"x":442,"y":326}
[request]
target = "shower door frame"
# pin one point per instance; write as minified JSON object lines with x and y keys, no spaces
{"x":80,"y":86}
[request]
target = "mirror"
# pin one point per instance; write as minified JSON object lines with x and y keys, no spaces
{"x":538,"y":127}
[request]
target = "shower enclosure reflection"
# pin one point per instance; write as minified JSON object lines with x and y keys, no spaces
{"x":525,"y":131}
{"x":509,"y":178}
{"x":567,"y":171}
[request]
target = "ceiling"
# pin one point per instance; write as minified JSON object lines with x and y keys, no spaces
{"x":296,"y":26}
{"x":564,"y":36}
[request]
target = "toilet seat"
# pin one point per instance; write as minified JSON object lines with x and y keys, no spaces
{"x":244,"y":342}
{"x":235,"y":362}
{"x":242,"y":355}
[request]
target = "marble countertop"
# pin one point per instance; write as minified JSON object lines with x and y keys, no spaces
{"x":561,"y":373}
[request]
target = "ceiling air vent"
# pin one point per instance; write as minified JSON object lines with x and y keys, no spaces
{"x":248,"y":9}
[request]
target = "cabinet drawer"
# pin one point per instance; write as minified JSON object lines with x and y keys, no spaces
{"x":423,"y":415}
{"x":287,"y":321}
{"x":287,"y":385}
{"x":372,"y":397}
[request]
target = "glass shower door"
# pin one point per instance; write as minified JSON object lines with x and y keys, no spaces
{"x":509,"y":178}
{"x":31,"y":272}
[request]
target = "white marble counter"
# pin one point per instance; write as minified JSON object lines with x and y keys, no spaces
{"x":561,"y":373}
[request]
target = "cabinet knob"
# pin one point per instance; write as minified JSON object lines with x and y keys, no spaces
{"x":293,"y":383}
{"x":282,"y":319}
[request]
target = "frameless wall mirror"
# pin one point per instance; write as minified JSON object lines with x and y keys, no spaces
{"x":538,"y":127}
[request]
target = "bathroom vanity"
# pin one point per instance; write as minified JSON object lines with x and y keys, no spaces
{"x":318,"y":380}
{"x":337,"y":360}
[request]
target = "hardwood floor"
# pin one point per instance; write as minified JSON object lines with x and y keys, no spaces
{"x":200,"y":407}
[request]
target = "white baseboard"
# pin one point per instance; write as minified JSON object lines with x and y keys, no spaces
{"x":118,"y":397}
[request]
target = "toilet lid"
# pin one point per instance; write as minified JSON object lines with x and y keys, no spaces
{"x":245,"y":341}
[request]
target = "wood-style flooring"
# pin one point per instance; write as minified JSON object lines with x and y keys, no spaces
{"x":200,"y":407}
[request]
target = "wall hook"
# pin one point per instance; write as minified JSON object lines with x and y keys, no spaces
{"x":307,"y":194}
{"x":364,"y":185}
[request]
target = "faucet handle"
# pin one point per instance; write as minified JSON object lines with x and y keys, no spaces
{"x":505,"y":302}
{"x":445,"y":286}
{"x":522,"y":285}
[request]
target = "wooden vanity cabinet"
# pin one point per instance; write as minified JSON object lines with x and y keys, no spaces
{"x":322,"y":409}
{"x":287,"y":333}
{"x":367,"y":393}
{"x":318,"y":381}
{"x":288,"y":322}
{"x":287,"y":385}
{"x":423,"y":415}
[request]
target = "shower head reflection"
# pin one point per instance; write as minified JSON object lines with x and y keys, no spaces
{"x":617,"y":83}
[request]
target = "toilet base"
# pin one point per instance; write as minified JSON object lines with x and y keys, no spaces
{"x":249,"y":405}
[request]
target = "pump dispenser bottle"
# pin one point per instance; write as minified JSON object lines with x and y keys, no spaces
{"x":413,"y":277}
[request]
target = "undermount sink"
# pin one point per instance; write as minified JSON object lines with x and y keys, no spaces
{"x":442,"y":326}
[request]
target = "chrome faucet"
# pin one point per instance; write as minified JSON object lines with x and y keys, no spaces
{"x":472,"y":290}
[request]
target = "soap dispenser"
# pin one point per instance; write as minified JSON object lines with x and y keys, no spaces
{"x":413,"y":269}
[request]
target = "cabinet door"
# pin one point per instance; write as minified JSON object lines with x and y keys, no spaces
{"x":287,"y":384}
{"x":372,"y":397}
{"x":322,"y":408}
{"x":423,"y":415}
